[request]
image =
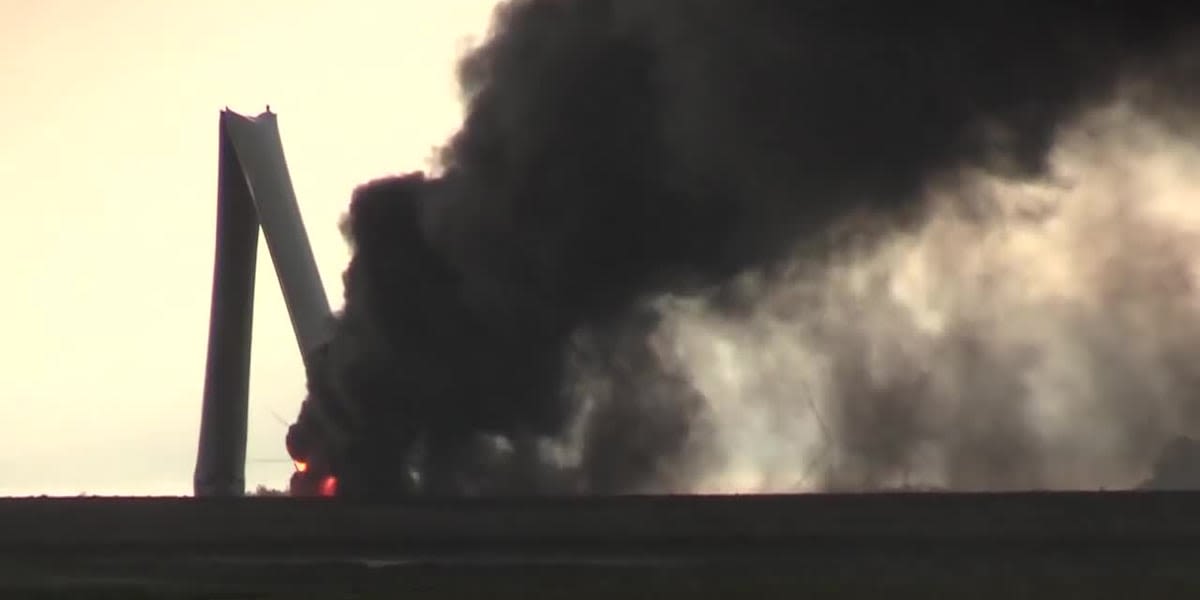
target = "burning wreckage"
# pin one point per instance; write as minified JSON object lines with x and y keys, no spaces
{"x":496,"y":336}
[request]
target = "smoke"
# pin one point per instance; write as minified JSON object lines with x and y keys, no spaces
{"x":694,"y":245}
{"x":1048,"y":344}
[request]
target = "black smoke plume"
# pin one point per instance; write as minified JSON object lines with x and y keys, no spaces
{"x":498,"y":316}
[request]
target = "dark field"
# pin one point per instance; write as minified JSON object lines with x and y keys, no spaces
{"x":1104,"y":545}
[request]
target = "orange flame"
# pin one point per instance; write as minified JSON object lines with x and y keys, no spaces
{"x":301,"y":466}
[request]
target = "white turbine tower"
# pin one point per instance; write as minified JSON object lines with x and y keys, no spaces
{"x":254,"y":189}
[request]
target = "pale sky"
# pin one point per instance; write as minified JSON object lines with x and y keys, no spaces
{"x":108,"y":156}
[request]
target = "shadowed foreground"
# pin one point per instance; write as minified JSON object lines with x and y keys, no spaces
{"x":990,"y":546}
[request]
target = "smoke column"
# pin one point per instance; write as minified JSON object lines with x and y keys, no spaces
{"x":721,"y":245}
{"x":1050,"y":343}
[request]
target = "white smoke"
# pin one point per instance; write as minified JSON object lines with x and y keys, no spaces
{"x":1026,"y":335}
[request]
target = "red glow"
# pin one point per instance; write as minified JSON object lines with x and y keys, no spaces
{"x":329,"y":486}
{"x":301,"y":466}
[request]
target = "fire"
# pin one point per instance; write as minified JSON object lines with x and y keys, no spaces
{"x":329,"y":486}
{"x":312,"y":481}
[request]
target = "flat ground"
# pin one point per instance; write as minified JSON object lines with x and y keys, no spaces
{"x":1110,"y":545}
